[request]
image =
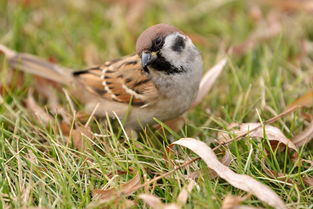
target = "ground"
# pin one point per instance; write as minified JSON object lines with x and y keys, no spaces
{"x":269,"y":46}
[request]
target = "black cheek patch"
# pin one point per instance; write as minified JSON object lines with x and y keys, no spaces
{"x":179,"y":44}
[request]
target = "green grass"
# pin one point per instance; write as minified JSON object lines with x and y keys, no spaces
{"x":40,"y":167}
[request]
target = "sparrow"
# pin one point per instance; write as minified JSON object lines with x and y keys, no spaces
{"x":161,"y":80}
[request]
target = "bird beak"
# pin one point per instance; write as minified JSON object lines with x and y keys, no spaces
{"x":147,"y":57}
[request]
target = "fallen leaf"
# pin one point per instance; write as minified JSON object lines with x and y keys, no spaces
{"x":232,"y":202}
{"x":304,"y":101}
{"x":226,"y":160}
{"x":304,"y":137}
{"x":297,"y":160}
{"x":307,"y":161}
{"x":308,"y":117}
{"x":151,"y":200}
{"x":65,"y":128}
{"x":36,"y":109}
{"x":308,"y":181}
{"x":208,"y":80}
{"x":243,"y":182}
{"x":78,"y":137}
{"x":47,"y":88}
{"x":272,"y":133}
{"x":174,"y":124}
{"x":10,"y":79}
{"x":6,"y":51}
{"x":125,"y":189}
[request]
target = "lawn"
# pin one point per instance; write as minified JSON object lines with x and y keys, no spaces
{"x":269,"y":49}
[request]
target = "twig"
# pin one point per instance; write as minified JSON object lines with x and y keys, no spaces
{"x":269,"y":121}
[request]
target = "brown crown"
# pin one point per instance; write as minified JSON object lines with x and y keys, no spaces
{"x":145,"y":39}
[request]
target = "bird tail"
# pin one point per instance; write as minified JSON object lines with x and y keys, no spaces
{"x":34,"y":65}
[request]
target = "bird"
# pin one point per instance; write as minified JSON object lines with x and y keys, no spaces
{"x":159,"y":81}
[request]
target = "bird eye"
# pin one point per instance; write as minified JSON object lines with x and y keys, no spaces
{"x":158,"y":42}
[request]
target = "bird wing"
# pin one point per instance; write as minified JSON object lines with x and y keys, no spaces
{"x":122,"y":80}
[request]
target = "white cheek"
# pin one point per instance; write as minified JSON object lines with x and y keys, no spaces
{"x":182,"y":58}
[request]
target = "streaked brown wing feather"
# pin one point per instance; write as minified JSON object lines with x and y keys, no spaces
{"x":122,"y":81}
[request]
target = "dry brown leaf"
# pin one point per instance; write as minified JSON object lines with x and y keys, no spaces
{"x":36,"y":109}
{"x":47,"y":88}
{"x":233,"y":202}
{"x":308,"y":161}
{"x":308,"y":181}
{"x":295,"y":158}
{"x":10,"y":79}
{"x":271,"y":132}
{"x":243,"y":182}
{"x":65,"y":128}
{"x":125,"y":189}
{"x":226,"y":160}
{"x":151,"y":200}
{"x":304,"y":137}
{"x":175,"y":124}
{"x":308,"y":117}
{"x":78,"y":137}
{"x":208,"y":80}
{"x":304,"y":101}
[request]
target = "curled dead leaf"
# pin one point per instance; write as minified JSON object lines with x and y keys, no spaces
{"x":125,"y":189}
{"x":308,"y":181}
{"x":233,"y":202}
{"x":47,"y":88}
{"x":243,"y":182}
{"x":257,"y":131}
{"x":226,"y":160}
{"x":78,"y":137}
{"x":151,"y":200}
{"x":36,"y":109}
{"x":304,"y":101}
{"x":174,"y":124}
{"x":208,"y":80}
{"x":304,"y":137}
